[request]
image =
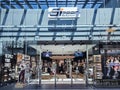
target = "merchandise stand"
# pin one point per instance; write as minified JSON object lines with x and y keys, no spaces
{"x":98,"y":80}
{"x":7,"y":70}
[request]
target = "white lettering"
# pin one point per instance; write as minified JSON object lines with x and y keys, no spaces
{"x":63,"y":12}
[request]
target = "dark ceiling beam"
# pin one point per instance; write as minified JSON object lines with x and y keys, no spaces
{"x":9,"y":4}
{"x":56,"y":3}
{"x":2,"y":6}
{"x":75,"y":3}
{"x":59,"y":36}
{"x":82,"y":31}
{"x":95,"y":2}
{"x":47,"y":3}
{"x":75,"y":42}
{"x":66,"y":3}
{"x":19,"y":3}
{"x":38,"y":3}
{"x":63,"y":4}
{"x":85,"y":3}
{"x":102,"y":5}
{"x":27,"y":2}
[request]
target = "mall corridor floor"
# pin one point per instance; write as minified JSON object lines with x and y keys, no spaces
{"x":58,"y":87}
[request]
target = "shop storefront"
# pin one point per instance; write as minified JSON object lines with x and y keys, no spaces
{"x":60,"y":45}
{"x":97,"y":66}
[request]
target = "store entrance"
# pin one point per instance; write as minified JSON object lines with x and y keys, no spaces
{"x":62,"y":65}
{"x":32,"y":63}
{"x":47,"y":64}
{"x":67,"y":70}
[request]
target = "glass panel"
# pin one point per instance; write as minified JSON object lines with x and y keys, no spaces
{"x":41,"y":0}
{"x":33,"y":2}
{"x":44,"y":6}
{"x":62,"y":3}
{"x":80,"y":6}
{"x":97,"y":6}
{"x":71,"y":0}
{"x":17,"y":6}
{"x":71,"y":3}
{"x":7,"y":6}
{"x":82,"y":0}
{"x":88,"y":6}
{"x":52,"y":5}
{"x":20,"y":0}
{"x":51,"y":2}
{"x":25,"y":6}
{"x":81,"y":64}
{"x":35,"y":6}
{"x":62,"y":0}
{"x":12,"y":3}
{"x":42,"y":3}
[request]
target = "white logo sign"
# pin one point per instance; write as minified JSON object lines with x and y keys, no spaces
{"x":63,"y":12}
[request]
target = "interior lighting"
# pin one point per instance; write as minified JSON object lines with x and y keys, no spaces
{"x":104,"y":25}
{"x":111,"y":30}
{"x":6,"y":26}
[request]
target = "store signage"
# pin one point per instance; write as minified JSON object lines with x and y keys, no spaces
{"x":63,"y":12}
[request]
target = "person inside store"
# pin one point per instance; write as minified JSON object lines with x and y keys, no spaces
{"x":110,"y":64}
{"x":49,"y":68}
{"x":77,"y":71}
{"x":22,"y":74}
{"x":113,"y":71}
{"x":27,"y":73}
{"x":34,"y":72}
{"x":81,"y":68}
{"x":53,"y":67}
{"x":61,"y":67}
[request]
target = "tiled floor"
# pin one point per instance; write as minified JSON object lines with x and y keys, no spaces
{"x":58,"y":87}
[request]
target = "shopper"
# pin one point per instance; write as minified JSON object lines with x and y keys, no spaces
{"x":22,"y":75}
{"x":27,"y":73}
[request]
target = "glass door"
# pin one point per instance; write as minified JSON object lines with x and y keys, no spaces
{"x":35,"y":63}
{"x":48,"y":68}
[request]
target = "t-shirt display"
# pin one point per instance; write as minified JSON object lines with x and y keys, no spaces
{"x":97,"y":67}
{"x":8,"y":69}
{"x":113,"y":67}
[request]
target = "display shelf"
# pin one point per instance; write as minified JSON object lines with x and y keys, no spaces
{"x":97,"y":67}
{"x":7,"y":69}
{"x":90,"y":67}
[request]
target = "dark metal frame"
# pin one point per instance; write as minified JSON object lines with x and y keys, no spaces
{"x":8,"y":3}
{"x":46,"y":2}
{"x":38,"y":3}
{"x":28,"y":4}
{"x":19,"y":4}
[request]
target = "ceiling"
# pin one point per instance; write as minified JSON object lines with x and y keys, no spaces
{"x":44,"y":4}
{"x":62,"y":49}
{"x":91,"y":25}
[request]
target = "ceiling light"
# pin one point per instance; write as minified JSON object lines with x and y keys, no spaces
{"x":110,"y":30}
{"x":36,"y":38}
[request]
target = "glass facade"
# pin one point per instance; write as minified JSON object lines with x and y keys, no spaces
{"x":38,"y":49}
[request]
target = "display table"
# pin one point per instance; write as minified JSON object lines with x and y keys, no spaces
{"x":46,"y":76}
{"x":107,"y":82}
